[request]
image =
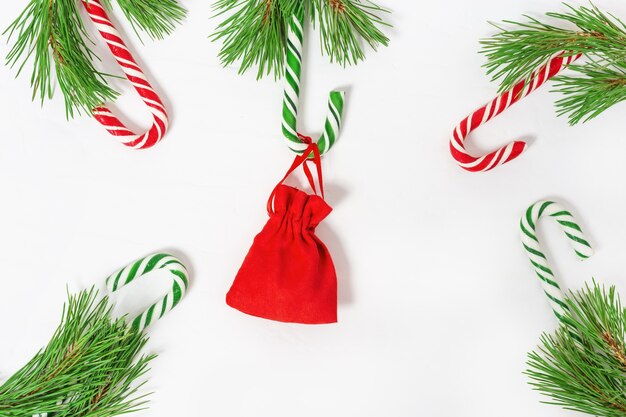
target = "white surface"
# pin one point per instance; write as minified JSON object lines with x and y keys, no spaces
{"x":438,"y":305}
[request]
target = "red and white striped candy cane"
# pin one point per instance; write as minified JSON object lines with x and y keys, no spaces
{"x":137,"y":78}
{"x":495,"y":107}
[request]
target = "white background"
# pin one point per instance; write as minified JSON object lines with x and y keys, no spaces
{"x":438,"y":305}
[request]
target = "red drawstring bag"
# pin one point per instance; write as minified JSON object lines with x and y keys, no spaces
{"x":288,"y":274}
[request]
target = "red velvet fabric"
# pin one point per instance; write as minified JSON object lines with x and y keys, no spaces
{"x":288,"y":274}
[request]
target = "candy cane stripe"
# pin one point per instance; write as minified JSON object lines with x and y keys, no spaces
{"x":538,"y":259}
{"x":136,"y":77}
{"x":493,"y":109}
{"x":177,"y":293}
{"x":136,"y":269}
{"x":291,"y":97}
{"x":165,"y":304}
{"x":143,"y":266}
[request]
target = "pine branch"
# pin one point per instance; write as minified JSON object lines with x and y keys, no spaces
{"x":513,"y":55}
{"x":52,"y":32}
{"x":596,"y":88}
{"x":343,"y":23}
{"x":157,"y":18}
{"x":582,"y":366}
{"x":89,"y":368}
{"x":255,"y":31}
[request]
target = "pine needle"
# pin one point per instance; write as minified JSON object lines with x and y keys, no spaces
{"x":597,"y":83}
{"x":594,"y":89}
{"x":89,"y":368}
{"x":53,"y":34}
{"x":343,"y":23}
{"x":582,"y":366}
{"x":254,"y":32}
{"x":158,"y":18}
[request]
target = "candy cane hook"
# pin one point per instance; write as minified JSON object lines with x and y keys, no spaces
{"x":538,"y":260}
{"x":135,"y":75}
{"x":495,"y":107}
{"x":142,"y":266}
{"x":134,"y":270}
{"x":293,"y":71}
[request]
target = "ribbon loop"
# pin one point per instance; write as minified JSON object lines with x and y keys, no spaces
{"x":310,"y":154}
{"x":143,"y":266}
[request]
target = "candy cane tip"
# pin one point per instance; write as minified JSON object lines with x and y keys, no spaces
{"x":515,"y":149}
{"x":519,"y":147}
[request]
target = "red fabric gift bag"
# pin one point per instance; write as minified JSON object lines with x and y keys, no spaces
{"x":288,"y":274}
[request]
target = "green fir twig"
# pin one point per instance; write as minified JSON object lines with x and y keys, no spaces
{"x":595,"y":88}
{"x":90,"y":368}
{"x":343,"y":23}
{"x":53,"y":34}
{"x":158,"y":18}
{"x":582,"y":366}
{"x":596,"y":84}
{"x":254,"y":32}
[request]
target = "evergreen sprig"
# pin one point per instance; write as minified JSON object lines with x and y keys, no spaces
{"x":53,"y":34}
{"x":582,"y":365}
{"x":90,"y":368}
{"x":254,"y":32}
{"x":157,"y":18}
{"x":343,"y":23}
{"x":597,"y":83}
{"x":597,"y":88}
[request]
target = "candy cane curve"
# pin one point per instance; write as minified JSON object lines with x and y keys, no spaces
{"x":134,"y":270}
{"x":495,"y":107}
{"x":142,"y":266}
{"x":293,"y":71}
{"x":137,"y":78}
{"x":538,"y":260}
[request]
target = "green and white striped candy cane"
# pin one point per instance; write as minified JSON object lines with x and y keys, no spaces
{"x":129,"y":273}
{"x":142,"y":266}
{"x":293,"y":71}
{"x":579,"y":243}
